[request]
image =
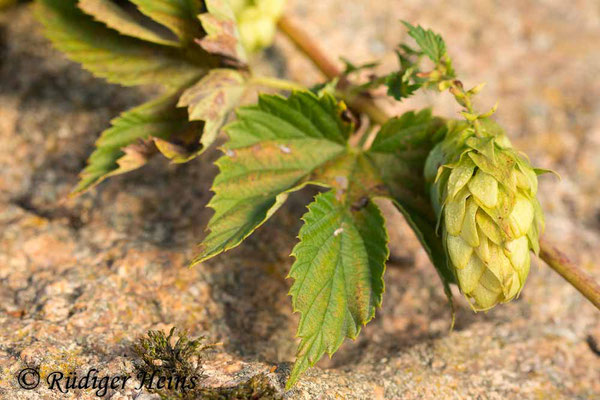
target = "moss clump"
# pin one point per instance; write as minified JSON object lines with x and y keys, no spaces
{"x":158,"y":356}
{"x":157,"y":353}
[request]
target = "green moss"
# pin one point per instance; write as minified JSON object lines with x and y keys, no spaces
{"x":157,"y":355}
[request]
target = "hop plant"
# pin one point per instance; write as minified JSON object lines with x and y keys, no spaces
{"x":481,"y":190}
{"x":484,"y":194}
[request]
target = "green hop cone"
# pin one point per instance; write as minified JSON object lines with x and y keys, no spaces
{"x":484,"y":195}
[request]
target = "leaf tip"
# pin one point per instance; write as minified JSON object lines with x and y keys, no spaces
{"x":407,"y":24}
{"x":298,"y":369}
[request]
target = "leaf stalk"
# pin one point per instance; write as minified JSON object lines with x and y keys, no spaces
{"x":276,"y":83}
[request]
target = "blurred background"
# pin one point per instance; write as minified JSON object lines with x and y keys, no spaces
{"x":81,"y":279}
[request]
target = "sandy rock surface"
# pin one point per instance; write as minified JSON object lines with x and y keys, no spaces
{"x":81,"y":279}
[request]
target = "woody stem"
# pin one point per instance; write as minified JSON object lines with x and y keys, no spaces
{"x":313,"y":52}
{"x":577,"y":277}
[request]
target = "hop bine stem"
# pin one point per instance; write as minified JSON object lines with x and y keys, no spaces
{"x":313,"y":52}
{"x":556,"y":259}
{"x":578,"y":278}
{"x":307,"y":46}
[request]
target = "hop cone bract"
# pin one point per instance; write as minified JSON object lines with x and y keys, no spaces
{"x":484,"y":194}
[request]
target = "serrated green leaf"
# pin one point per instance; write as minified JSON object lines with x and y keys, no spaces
{"x":222,"y":37}
{"x":399,"y":85}
{"x":405,"y":82}
{"x":180,"y":16}
{"x":113,"y":16}
{"x":274,"y":148}
{"x":431,"y":44}
{"x":127,"y":144}
{"x":399,"y":152}
{"x":213,"y":99}
{"x":107,"y":54}
{"x":338,"y":276}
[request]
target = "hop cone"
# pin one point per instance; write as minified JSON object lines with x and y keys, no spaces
{"x":484,"y":194}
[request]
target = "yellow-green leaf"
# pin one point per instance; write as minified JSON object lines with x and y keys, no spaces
{"x":117,"y":58}
{"x":180,"y":16}
{"x":115,"y":17}
{"x":430,"y":42}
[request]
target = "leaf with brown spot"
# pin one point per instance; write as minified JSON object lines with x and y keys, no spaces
{"x":273,"y":149}
{"x":222,"y":35}
{"x":135,"y":155}
{"x":213,"y":99}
